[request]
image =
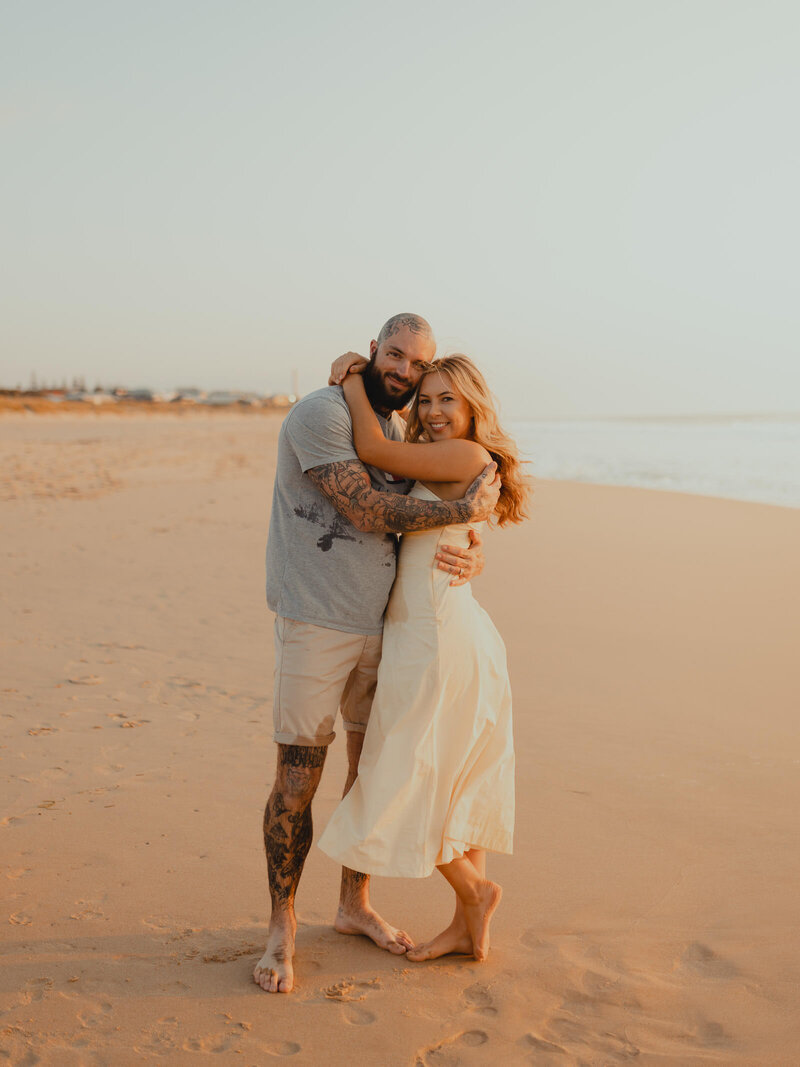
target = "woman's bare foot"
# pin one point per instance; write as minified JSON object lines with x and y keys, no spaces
{"x":455,"y":939}
{"x":478,"y":915}
{"x":274,"y":972}
{"x":366,"y":921}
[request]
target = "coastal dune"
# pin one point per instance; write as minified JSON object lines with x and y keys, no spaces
{"x":650,"y":906}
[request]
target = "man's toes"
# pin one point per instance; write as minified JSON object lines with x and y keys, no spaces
{"x":397,"y":948}
{"x":285,"y":985}
{"x":404,"y":939}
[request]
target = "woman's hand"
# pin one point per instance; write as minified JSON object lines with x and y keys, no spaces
{"x":349,"y":363}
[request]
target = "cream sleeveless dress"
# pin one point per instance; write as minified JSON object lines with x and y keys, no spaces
{"x":436,"y":775}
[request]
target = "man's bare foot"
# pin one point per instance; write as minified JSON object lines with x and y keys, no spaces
{"x":478,"y":916}
{"x":274,"y":971}
{"x":455,"y":939}
{"x":364,"y":920}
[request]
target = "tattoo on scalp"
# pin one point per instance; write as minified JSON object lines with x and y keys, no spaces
{"x":415,"y":323}
{"x":346,"y":484}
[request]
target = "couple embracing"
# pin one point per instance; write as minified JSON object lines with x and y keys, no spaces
{"x":393,"y":639}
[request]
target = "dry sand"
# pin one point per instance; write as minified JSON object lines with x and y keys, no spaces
{"x":650,"y":910}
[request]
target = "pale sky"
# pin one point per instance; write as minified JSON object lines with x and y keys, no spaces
{"x":595,"y":199}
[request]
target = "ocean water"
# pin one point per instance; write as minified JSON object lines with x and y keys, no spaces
{"x":748,"y":458}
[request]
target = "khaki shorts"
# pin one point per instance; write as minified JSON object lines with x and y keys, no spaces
{"x":318,"y":671}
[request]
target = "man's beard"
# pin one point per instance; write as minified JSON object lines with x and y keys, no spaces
{"x":378,"y":395}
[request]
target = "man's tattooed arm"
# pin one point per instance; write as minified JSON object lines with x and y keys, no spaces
{"x":346,"y":484}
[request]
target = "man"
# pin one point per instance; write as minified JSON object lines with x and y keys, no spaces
{"x":330,"y":568}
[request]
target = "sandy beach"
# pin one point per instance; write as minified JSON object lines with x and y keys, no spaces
{"x":650,"y":908}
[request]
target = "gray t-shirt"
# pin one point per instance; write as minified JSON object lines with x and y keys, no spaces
{"x":320,"y":568}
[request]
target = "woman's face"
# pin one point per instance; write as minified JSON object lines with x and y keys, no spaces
{"x":443,"y":412}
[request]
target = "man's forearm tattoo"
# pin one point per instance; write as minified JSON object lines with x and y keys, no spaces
{"x":346,"y":484}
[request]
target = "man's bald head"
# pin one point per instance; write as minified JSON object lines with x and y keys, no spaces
{"x":406,"y":319}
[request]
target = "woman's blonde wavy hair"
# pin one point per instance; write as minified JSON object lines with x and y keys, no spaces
{"x":468,"y":382}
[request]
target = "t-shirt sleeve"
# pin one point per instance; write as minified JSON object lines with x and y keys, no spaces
{"x":320,"y":431}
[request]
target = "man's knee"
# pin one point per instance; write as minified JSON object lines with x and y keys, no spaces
{"x":298,"y":774}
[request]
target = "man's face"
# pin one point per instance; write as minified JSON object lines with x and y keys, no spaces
{"x":396,"y":365}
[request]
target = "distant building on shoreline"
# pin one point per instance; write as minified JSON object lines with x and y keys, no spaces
{"x":189,"y":395}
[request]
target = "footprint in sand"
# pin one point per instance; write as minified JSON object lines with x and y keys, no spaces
{"x":456,"y":1051}
{"x":571,"y":1030}
{"x":228,"y":954}
{"x":480,"y":999}
{"x":38,"y":731}
{"x":358,"y":1016}
{"x":237,"y":1024}
{"x":87,"y":909}
{"x":282,"y":1048}
{"x":537,"y":947}
{"x":85,"y":679}
{"x":212,"y":1043}
{"x":545,"y":1047}
{"x":708,"y":1034}
{"x":703,"y":960}
{"x":37,"y":988}
{"x":20,"y":918}
{"x":157,"y":922}
{"x":160,"y":1043}
{"x":187,"y":683}
{"x":350,"y":989}
{"x":95,"y":1015}
{"x":17,"y":872}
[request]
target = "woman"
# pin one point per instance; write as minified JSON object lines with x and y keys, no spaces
{"x":435,"y":785}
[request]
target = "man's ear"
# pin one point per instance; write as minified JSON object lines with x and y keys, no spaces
{"x":373,"y":348}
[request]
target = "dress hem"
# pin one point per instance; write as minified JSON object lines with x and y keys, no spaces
{"x":381,"y":871}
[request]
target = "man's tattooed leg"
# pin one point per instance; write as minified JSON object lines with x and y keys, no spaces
{"x":288,"y":826}
{"x":288,"y":830}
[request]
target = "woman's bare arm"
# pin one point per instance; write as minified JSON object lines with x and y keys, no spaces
{"x":455,"y":460}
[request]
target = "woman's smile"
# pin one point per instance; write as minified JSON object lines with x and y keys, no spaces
{"x":443,"y":412}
